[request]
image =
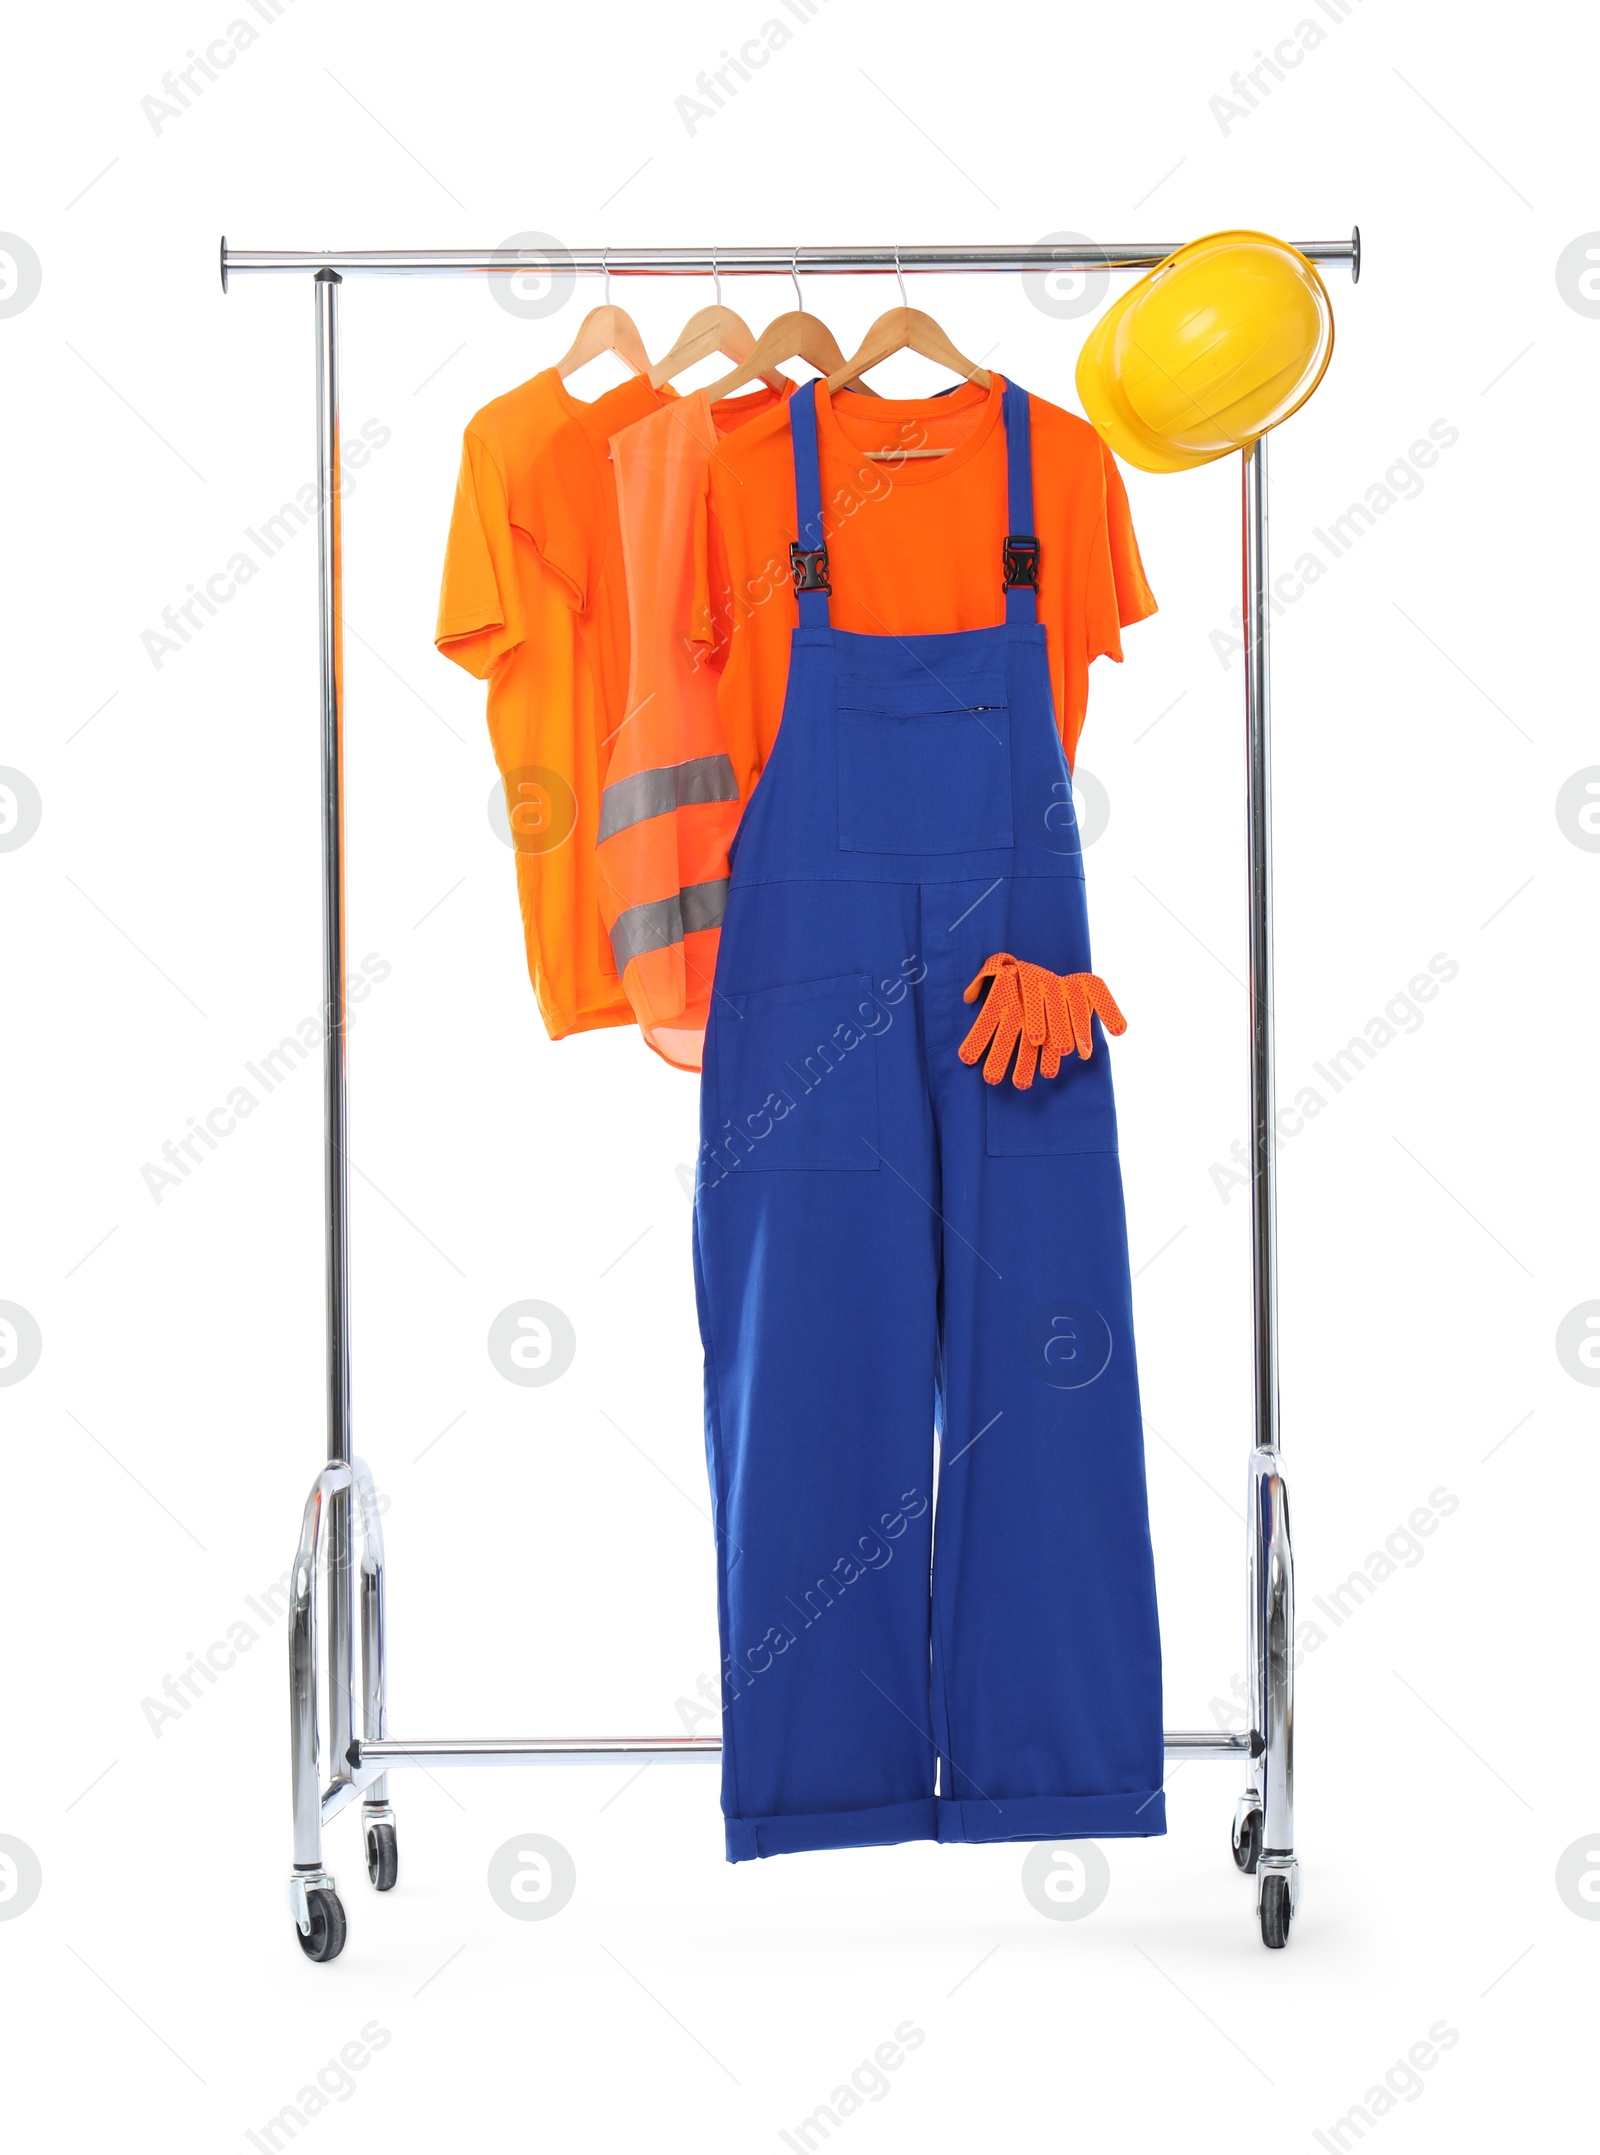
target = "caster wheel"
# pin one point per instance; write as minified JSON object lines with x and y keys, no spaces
{"x":325,"y":1939}
{"x":383,"y":1857}
{"x":1247,"y":1841}
{"x":1275,"y":1913}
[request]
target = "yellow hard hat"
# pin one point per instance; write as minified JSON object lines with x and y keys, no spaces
{"x":1221,"y":341}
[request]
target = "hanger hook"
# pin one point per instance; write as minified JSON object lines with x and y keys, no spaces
{"x":794,"y":272}
{"x":715,"y":276}
{"x":900,"y":275}
{"x":605,"y":264}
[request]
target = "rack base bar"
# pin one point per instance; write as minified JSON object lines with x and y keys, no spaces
{"x":1210,"y":1743}
{"x":368,"y":1760}
{"x":468,"y":1750}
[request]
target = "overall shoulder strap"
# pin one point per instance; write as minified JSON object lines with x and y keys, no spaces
{"x":1021,"y":558}
{"x":808,"y":557}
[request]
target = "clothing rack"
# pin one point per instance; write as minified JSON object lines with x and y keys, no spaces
{"x":343,"y":1495}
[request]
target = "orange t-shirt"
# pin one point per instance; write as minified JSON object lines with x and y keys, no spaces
{"x":669,"y":804}
{"x":914,"y":547}
{"x":532,"y":602}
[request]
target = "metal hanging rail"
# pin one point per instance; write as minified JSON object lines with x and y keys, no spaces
{"x":731,"y":261}
{"x":342,"y":1496}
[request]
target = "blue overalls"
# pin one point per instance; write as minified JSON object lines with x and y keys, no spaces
{"x":886,"y":1247}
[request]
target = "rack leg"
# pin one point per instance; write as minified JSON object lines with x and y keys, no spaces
{"x":313,"y":1897}
{"x":304,"y":1744}
{"x":1263,"y":1837}
{"x":1272,"y":1622}
{"x":318,"y":1916}
{"x":377,"y":1814}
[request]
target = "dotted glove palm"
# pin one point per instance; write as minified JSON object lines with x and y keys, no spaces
{"x":1043,"y":1015}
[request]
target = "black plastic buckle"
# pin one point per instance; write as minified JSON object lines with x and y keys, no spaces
{"x":809,"y":567}
{"x":1022,"y":562}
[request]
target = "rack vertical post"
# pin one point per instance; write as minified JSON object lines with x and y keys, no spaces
{"x":1263,"y":1831}
{"x":325,"y":289}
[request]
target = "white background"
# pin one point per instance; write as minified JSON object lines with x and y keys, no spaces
{"x":551,"y":1565}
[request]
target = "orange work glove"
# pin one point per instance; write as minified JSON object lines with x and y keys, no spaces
{"x":1043,"y":1015}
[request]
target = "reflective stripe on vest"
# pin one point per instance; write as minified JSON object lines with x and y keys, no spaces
{"x":644,"y":794}
{"x":662,"y":922}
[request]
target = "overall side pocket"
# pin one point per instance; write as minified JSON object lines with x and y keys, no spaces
{"x":797,"y":1077}
{"x":1072,"y":1112}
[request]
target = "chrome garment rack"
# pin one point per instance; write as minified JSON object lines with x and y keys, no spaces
{"x":343,"y":1495}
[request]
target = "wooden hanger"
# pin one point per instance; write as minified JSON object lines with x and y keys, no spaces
{"x":906,"y":329}
{"x":795,"y":335}
{"x":606,"y":329}
{"x":713,"y":329}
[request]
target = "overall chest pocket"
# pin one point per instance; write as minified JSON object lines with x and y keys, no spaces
{"x":924,"y":767}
